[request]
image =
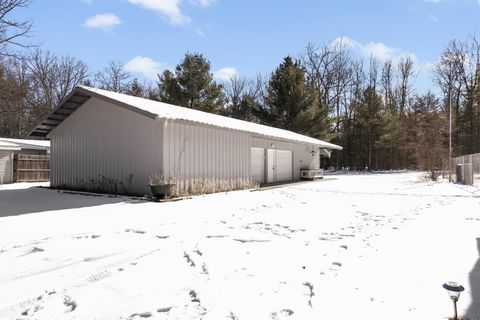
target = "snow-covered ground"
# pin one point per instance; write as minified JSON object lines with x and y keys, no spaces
{"x":373,"y":246}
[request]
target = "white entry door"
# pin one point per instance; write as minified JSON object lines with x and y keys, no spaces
{"x":258,"y":165}
{"x":279,"y":166}
{"x":271,"y":163}
{"x":284,"y":165}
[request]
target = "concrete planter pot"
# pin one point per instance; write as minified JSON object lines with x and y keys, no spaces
{"x":161,"y":191}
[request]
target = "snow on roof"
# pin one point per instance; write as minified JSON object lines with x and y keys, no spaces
{"x":4,"y":145}
{"x":25,"y":143}
{"x":168,"y":111}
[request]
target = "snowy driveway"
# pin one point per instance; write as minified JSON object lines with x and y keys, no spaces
{"x":360,"y":246}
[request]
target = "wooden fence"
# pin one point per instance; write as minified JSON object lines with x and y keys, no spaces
{"x":31,"y":168}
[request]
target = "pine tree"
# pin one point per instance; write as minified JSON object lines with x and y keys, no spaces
{"x":291,"y":100}
{"x":370,"y":128}
{"x":191,"y":85}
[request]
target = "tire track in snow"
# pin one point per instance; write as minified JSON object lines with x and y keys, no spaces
{"x":99,"y":273}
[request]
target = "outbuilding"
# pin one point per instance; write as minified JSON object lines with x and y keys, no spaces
{"x":112,"y":141}
{"x":13,"y":151}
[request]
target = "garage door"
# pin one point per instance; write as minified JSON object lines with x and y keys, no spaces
{"x":258,"y":165}
{"x":6,"y":166}
{"x":284,"y":165}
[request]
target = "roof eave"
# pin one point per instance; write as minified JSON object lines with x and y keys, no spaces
{"x":62,"y":111}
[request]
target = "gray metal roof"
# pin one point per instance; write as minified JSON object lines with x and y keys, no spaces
{"x":159,"y":110}
{"x":64,"y":109}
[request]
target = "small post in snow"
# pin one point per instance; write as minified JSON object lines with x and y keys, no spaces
{"x":453,"y":290}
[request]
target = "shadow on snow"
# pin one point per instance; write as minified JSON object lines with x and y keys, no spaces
{"x":32,"y":200}
{"x":473,"y":311}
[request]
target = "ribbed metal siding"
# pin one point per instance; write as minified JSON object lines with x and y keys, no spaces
{"x":198,"y":152}
{"x":220,"y":155}
{"x":101,"y":141}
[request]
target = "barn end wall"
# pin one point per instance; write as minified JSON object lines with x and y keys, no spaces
{"x":103,"y":146}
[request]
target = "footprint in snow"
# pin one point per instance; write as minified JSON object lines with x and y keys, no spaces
{"x":335,"y":266}
{"x":135,"y":231}
{"x":45,"y":301}
{"x":69,"y":302}
{"x":147,"y":314}
{"x":33,"y":250}
{"x":99,"y":276}
{"x":282,"y":314}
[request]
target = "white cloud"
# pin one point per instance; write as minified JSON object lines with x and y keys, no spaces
{"x":104,"y":21}
{"x":205,"y":3}
{"x":169,"y":8}
{"x":377,"y":50}
{"x":383,"y":53}
{"x":87,"y":1}
{"x":145,"y":66}
{"x":225,"y":74}
{"x":433,"y":1}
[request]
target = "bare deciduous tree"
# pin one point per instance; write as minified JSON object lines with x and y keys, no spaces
{"x":54,"y":77}
{"x":406,"y":72}
{"x":113,"y":78}
{"x":457,"y":73}
{"x":11,"y":30}
{"x":387,"y":83}
{"x":243,"y":96}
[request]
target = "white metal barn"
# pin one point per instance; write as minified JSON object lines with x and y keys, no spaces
{"x":97,"y":135}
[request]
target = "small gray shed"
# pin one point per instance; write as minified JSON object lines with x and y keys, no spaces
{"x":101,"y":138}
{"x":6,"y":161}
{"x":10,"y":148}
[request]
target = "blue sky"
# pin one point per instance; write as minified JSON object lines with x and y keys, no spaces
{"x":245,"y":36}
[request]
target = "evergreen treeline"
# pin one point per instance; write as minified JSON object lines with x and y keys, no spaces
{"x":370,"y":108}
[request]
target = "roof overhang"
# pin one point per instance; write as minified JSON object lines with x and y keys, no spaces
{"x":325,"y":152}
{"x":70,"y":104}
{"x":9,"y":146}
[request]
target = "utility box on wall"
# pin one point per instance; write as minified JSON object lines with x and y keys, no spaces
{"x":311,"y":174}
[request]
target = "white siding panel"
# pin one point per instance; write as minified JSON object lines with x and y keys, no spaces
{"x":211,"y":154}
{"x":6,"y":166}
{"x":258,"y":165}
{"x":101,"y":145}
